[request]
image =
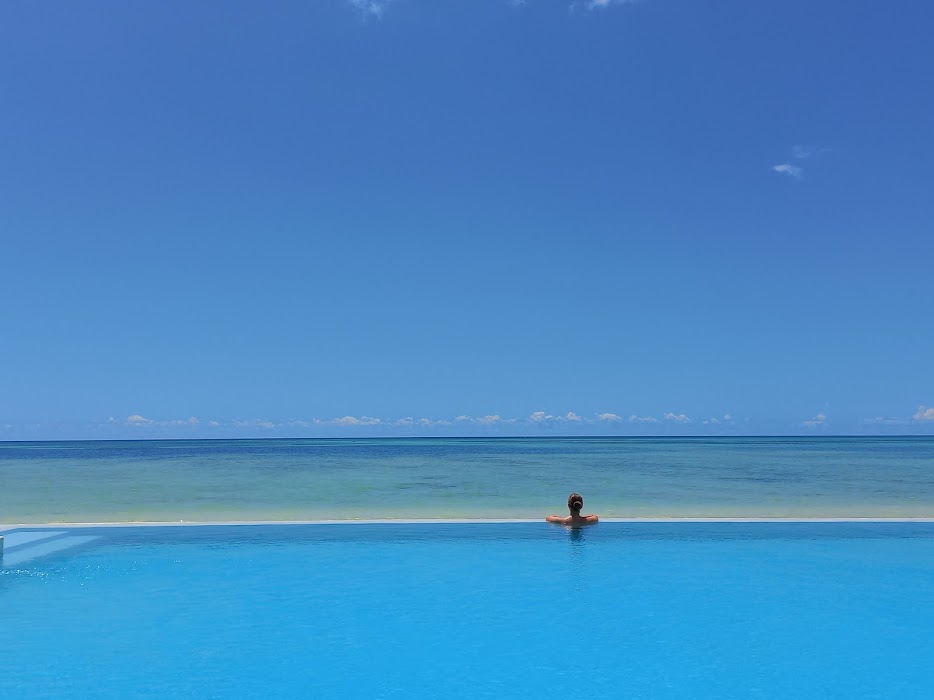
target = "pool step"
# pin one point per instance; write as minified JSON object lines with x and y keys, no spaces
{"x":21,"y":547}
{"x":18,"y":539}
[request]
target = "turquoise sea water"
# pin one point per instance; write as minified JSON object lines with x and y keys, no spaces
{"x":449,"y":478}
{"x":524,"y":610}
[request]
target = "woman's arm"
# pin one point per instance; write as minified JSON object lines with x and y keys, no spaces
{"x":556,"y":519}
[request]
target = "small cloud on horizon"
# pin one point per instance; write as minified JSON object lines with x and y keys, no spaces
{"x":254,"y":423}
{"x":139,"y":420}
{"x":609,"y":417}
{"x":727,"y":418}
{"x":677,"y":418}
{"x":883,"y":420}
{"x":492,"y":419}
{"x":542,"y":417}
{"x":924,"y":414}
{"x":817,"y":421}
{"x":642,"y":419}
{"x":353,"y":420}
{"x":488,"y":420}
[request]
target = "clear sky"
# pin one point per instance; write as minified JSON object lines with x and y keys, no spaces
{"x":469,"y":217}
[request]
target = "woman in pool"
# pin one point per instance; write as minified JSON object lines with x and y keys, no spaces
{"x":575,"y":519}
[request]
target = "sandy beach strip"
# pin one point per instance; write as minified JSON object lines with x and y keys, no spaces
{"x":452,"y":521}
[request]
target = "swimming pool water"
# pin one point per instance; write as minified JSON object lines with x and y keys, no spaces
{"x":521,"y":610}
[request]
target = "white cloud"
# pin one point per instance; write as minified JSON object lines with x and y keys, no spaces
{"x":610,"y":417}
{"x":139,"y":420}
{"x":370,"y":8}
{"x":479,"y":420}
{"x":817,"y":421}
{"x":408,"y":421}
{"x":798,"y":152}
{"x":924,"y":414}
{"x":254,"y":423}
{"x":353,"y":420}
{"x":789,"y":169}
{"x":642,"y":419}
{"x":677,"y":418}
{"x":727,"y":418}
{"x":542,"y":417}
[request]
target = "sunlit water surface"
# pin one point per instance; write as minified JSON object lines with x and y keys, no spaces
{"x":508,"y":477}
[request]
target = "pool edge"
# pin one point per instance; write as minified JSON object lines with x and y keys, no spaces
{"x":457,"y":521}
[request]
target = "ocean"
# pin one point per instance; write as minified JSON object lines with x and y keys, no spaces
{"x":321,"y":479}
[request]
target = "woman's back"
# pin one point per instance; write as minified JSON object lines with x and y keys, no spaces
{"x":575,"y":519}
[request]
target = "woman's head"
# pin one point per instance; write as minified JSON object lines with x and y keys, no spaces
{"x":575,"y":502}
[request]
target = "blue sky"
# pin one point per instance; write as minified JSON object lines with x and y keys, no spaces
{"x":465,"y":218}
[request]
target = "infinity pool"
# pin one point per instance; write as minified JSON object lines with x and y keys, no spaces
{"x":519,"y":610}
